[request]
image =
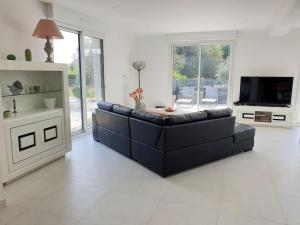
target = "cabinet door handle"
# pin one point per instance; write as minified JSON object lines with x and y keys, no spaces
{"x":49,"y":129}
{"x":21,"y":147}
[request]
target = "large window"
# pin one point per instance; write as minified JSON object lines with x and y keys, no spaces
{"x":84,"y":56}
{"x":200,"y":76}
{"x":93,"y":65}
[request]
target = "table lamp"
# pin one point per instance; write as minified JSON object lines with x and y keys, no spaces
{"x":47,"y":29}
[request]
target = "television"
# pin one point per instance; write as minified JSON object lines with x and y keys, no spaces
{"x":266,"y":91}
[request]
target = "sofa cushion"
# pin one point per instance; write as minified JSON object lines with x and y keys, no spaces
{"x":186,"y":118}
{"x":123,"y":110}
{"x":243,"y":132}
{"x":149,"y":117}
{"x":218,"y":113}
{"x":105,"y":105}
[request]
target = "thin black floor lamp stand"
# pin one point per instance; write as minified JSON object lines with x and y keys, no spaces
{"x":139,"y":65}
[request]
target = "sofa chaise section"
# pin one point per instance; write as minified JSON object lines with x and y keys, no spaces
{"x":111,"y":127}
{"x":168,"y":145}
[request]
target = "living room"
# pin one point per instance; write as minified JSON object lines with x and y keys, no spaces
{"x":147,"y":112}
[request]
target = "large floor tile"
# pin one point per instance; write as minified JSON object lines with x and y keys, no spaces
{"x":10,"y":212}
{"x":257,"y":205}
{"x":144,"y":184}
{"x":228,"y":219}
{"x":34,"y":217}
{"x":176,"y":214}
{"x":122,"y":209}
{"x":287,"y":184}
{"x":72,"y":201}
{"x":291,"y":208}
{"x":30,"y":192}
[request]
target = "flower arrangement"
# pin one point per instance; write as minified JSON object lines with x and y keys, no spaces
{"x":137,"y":96}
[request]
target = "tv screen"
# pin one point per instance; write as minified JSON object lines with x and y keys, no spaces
{"x":266,"y":90}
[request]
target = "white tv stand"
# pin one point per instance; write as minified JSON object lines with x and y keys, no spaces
{"x":265,"y":116}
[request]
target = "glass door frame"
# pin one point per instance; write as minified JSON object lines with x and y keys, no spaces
{"x":81,"y":33}
{"x":199,"y":44}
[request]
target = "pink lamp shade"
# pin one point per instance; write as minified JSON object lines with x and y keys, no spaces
{"x":47,"y":29}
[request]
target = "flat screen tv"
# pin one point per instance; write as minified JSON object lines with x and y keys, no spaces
{"x":266,"y":91}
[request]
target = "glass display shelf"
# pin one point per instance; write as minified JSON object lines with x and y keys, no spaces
{"x":33,"y":93}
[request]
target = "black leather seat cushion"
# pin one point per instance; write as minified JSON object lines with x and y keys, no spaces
{"x":123,"y":110}
{"x":218,"y":113}
{"x":105,"y":105}
{"x":243,"y":132}
{"x":186,"y":118}
{"x":149,"y":117}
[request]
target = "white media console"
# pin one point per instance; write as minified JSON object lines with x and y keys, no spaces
{"x":265,"y":116}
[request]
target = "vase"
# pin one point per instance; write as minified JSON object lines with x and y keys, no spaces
{"x":50,"y":103}
{"x":139,"y":105}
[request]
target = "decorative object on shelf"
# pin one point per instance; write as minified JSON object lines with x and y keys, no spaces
{"x":47,"y":29}
{"x":11,"y":57}
{"x":50,"y":103}
{"x":28,"y":55}
{"x":36,"y":89}
{"x":139,"y":65}
{"x":30,"y":90}
{"x":137,"y":96}
{"x":16,"y":88}
{"x":6,"y":114}
{"x":15,"y":107}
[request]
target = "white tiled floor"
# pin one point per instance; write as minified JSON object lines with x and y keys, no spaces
{"x":94,"y":185}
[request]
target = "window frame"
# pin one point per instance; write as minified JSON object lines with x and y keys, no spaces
{"x":81,"y":33}
{"x":200,"y":44}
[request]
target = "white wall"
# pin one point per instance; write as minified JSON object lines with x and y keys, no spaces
{"x":17,"y":22}
{"x":19,"y":18}
{"x":117,"y":66}
{"x":254,"y":53}
{"x":155,"y":78}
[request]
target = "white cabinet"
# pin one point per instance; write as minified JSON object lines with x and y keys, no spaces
{"x":265,"y":116}
{"x":31,"y":139}
{"x":34,"y":135}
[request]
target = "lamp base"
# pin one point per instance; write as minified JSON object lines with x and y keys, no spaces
{"x":48,"y":49}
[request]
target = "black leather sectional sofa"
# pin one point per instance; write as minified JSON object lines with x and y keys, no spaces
{"x":170,"y":144}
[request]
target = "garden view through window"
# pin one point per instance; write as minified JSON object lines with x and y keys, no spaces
{"x":200,"y":76}
{"x":85,"y":75}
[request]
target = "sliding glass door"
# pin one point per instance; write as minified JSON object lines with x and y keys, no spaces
{"x":67,"y":51}
{"x":200,"y":76}
{"x":93,"y":68}
{"x":84,"y":56}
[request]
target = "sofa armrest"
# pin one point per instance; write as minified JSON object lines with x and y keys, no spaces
{"x":94,"y":125}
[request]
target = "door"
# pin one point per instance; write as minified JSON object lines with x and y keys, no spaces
{"x":67,"y":51}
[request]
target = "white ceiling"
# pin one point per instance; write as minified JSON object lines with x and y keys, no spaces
{"x":177,"y":16}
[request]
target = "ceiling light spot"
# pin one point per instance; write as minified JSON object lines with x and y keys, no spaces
{"x":115,"y":7}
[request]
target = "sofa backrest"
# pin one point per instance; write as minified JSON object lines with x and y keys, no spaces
{"x":113,"y":121}
{"x":191,"y":134}
{"x":169,"y":133}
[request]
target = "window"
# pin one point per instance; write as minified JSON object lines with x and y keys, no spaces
{"x":200,"y":76}
{"x":67,"y":51}
{"x":93,"y":74}
{"x":84,"y":56}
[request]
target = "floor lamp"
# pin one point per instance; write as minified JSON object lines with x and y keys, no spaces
{"x":139,"y":65}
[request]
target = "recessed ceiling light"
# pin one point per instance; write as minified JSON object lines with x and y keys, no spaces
{"x":115,"y":7}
